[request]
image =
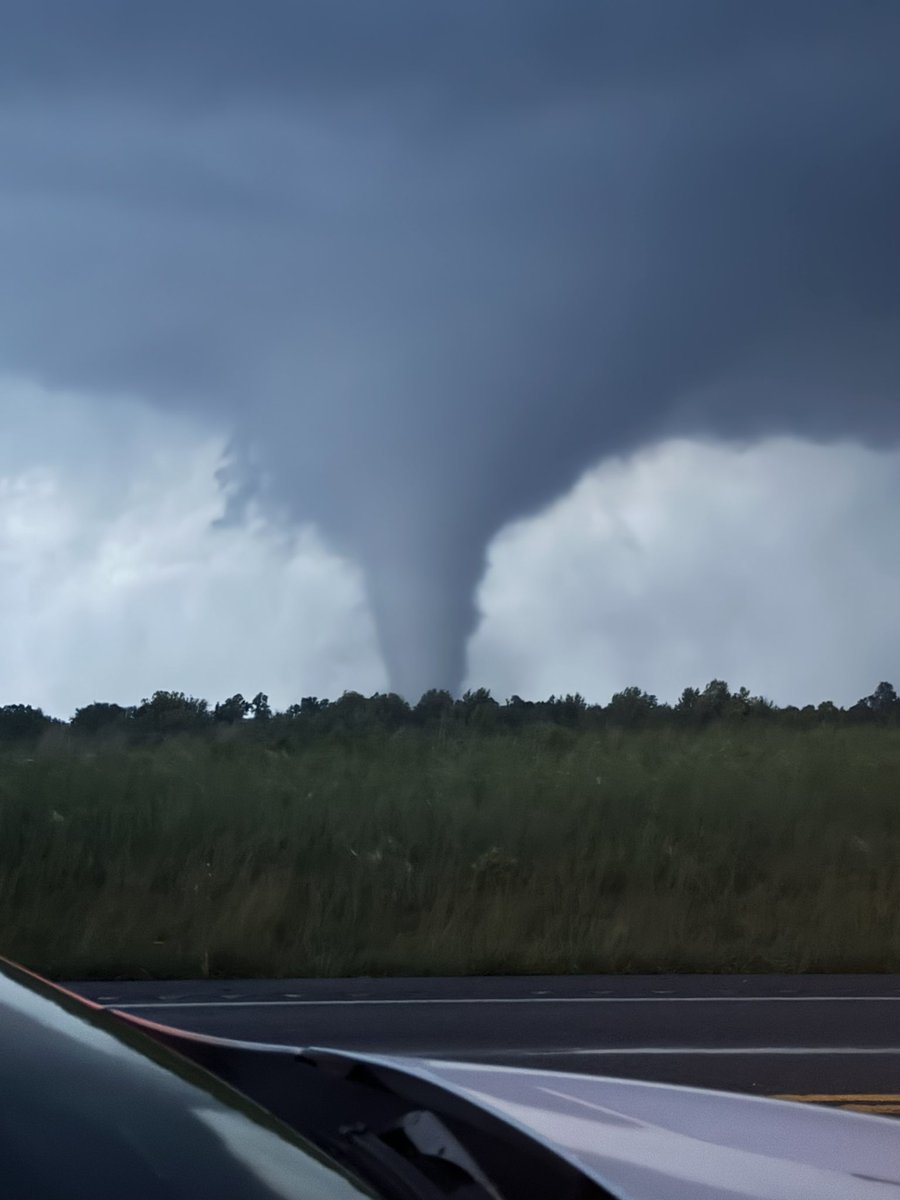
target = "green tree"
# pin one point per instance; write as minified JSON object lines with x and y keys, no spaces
{"x":232,"y":710}
{"x":631,"y":707}
{"x":434,"y":706}
{"x":715,"y":700}
{"x":349,"y":714}
{"x":883,"y":704}
{"x":479,"y":709}
{"x":569,"y":709}
{"x":100,"y":716}
{"x":389,"y":710}
{"x":688,"y":708}
{"x":20,"y":722}
{"x":172,"y":712}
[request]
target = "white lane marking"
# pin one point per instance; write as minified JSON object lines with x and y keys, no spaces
{"x":478,"y":1054}
{"x":405,"y":1001}
{"x":723,"y":1050}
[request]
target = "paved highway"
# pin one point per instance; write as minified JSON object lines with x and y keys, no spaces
{"x":829,"y":1039}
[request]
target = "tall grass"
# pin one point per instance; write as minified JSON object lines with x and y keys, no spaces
{"x":732,"y":849}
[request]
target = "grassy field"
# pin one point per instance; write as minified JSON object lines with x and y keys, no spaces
{"x":744,"y":848}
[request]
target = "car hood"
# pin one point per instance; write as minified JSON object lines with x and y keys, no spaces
{"x":89,"y":1089}
{"x":652,"y":1141}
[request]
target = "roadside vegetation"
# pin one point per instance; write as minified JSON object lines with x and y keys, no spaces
{"x":470,"y":838}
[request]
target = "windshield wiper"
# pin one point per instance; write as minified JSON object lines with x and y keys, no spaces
{"x":418,"y":1157}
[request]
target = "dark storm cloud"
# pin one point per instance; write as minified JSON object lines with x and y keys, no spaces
{"x":430,"y":262}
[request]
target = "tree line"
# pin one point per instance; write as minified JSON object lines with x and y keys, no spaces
{"x":169,"y":713}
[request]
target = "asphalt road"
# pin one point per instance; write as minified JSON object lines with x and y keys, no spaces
{"x":830,"y":1039}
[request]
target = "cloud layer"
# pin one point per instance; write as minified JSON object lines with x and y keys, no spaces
{"x":771,"y":565}
{"x":428,"y":265}
{"x":115,"y":579}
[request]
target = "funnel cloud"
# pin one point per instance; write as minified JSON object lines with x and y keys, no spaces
{"x":426,"y":264}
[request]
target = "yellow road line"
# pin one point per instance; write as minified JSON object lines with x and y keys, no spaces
{"x":884,"y":1109}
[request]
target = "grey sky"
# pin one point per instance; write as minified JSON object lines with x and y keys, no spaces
{"x":427,"y":264}
{"x":772,"y":565}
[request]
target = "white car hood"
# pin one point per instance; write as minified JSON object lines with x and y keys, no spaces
{"x":649,"y":1141}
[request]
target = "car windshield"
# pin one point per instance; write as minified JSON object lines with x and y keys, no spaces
{"x":90,"y":1107}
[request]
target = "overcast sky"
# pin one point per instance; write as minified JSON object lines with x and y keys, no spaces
{"x":547,"y":347}
{"x":772,"y":564}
